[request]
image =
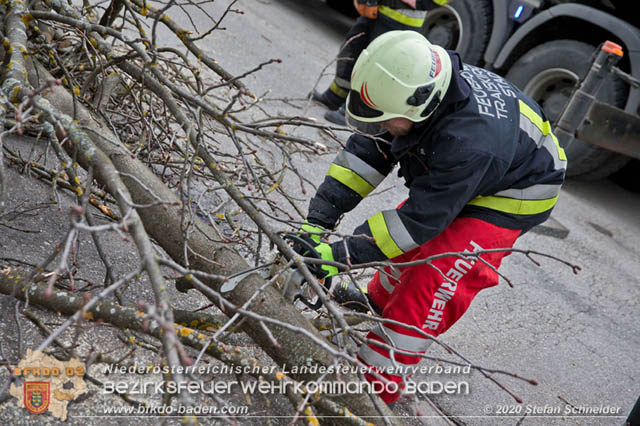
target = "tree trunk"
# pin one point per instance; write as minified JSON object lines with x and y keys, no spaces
{"x":164,"y":223}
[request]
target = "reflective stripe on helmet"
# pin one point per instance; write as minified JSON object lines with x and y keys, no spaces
{"x":366,"y":98}
{"x":391,"y":68}
{"x":392,"y":238}
{"x":409,"y":17}
{"x":357,"y":106}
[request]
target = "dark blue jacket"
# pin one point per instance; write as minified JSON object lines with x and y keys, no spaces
{"x":486,"y":152}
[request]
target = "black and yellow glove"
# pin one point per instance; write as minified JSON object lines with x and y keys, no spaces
{"x":313,"y":236}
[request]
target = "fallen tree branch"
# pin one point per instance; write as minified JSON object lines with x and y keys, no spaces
{"x":14,"y":281}
{"x":169,"y":234}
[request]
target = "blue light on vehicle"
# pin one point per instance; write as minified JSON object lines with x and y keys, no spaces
{"x":518,"y":12}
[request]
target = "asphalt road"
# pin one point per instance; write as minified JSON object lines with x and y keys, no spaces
{"x":577,"y":335}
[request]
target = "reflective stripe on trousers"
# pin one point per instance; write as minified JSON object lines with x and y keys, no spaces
{"x":430,"y":299}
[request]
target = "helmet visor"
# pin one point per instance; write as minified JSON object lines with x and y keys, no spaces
{"x":363,"y":127}
{"x":361,"y":118}
{"x":358,"y":109}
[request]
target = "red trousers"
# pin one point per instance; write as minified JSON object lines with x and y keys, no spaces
{"x":430,"y":298}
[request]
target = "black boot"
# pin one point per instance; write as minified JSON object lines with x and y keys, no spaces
{"x":349,"y":296}
{"x":328,"y":99}
{"x":336,"y":117}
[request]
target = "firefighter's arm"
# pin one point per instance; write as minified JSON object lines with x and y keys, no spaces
{"x":352,"y":175}
{"x":435,"y":200}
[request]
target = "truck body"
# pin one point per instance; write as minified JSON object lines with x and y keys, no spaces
{"x":546,"y":48}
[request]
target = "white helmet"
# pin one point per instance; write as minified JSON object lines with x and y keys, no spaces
{"x":400,"y":74}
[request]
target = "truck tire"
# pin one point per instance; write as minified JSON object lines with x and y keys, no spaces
{"x":548,"y":73}
{"x":463,"y":26}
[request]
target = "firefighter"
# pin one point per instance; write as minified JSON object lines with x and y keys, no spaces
{"x":376,"y":17}
{"x":481,"y":165}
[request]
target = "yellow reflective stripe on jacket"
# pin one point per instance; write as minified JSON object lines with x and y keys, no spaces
{"x":350,"y":179}
{"x":404,"y":18}
{"x":380,"y":233}
{"x":441,"y":2}
{"x":536,"y":198}
{"x":543,"y":126}
{"x":358,"y":166}
{"x":514,"y":206}
{"x":392,"y":238}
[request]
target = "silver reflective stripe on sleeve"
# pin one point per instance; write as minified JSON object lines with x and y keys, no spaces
{"x":401,"y":341}
{"x":531,"y":129}
{"x":534,"y":192}
{"x":540,"y":131}
{"x":551,"y":145}
{"x":398,"y":231}
{"x":357,"y":165}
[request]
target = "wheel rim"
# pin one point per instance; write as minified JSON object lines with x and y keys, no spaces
{"x":443,"y":26}
{"x":551,"y":89}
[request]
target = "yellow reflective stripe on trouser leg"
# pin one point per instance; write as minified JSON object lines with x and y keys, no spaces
{"x":514,"y":206}
{"x":404,"y":18}
{"x":338,"y":90}
{"x":350,"y":179}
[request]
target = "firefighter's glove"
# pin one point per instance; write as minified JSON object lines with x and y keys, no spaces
{"x":313,"y":242}
{"x":312,"y":232}
{"x":326,"y":253}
